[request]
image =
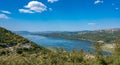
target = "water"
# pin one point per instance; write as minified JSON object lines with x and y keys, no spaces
{"x":60,"y":43}
{"x":68,"y":45}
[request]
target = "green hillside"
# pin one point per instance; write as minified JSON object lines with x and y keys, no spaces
{"x":16,"y":43}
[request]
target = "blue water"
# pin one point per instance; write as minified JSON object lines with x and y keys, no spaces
{"x":66,"y":44}
{"x":60,"y":43}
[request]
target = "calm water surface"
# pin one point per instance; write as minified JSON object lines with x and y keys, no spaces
{"x":60,"y":43}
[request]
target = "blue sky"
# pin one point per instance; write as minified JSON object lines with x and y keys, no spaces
{"x":59,"y":15}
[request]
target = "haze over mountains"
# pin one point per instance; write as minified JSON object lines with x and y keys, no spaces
{"x":70,"y":32}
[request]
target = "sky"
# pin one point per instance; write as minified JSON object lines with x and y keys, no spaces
{"x":59,"y":15}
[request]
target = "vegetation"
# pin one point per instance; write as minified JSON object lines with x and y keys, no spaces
{"x":36,"y":55}
{"x":16,"y":43}
{"x":107,"y":36}
{"x":60,"y":57}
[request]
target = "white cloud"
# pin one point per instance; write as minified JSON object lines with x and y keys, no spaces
{"x":117,"y":8}
{"x":52,"y":1}
{"x":36,"y":6}
{"x":25,"y":11}
{"x":33,"y":7}
{"x":91,"y":24}
{"x":3,"y":16}
{"x":98,"y":1}
{"x":6,"y":12}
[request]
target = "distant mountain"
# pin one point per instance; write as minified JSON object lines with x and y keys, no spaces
{"x":62,"y":32}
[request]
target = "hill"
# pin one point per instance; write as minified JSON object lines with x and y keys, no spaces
{"x":106,"y":35}
{"x":16,"y":43}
